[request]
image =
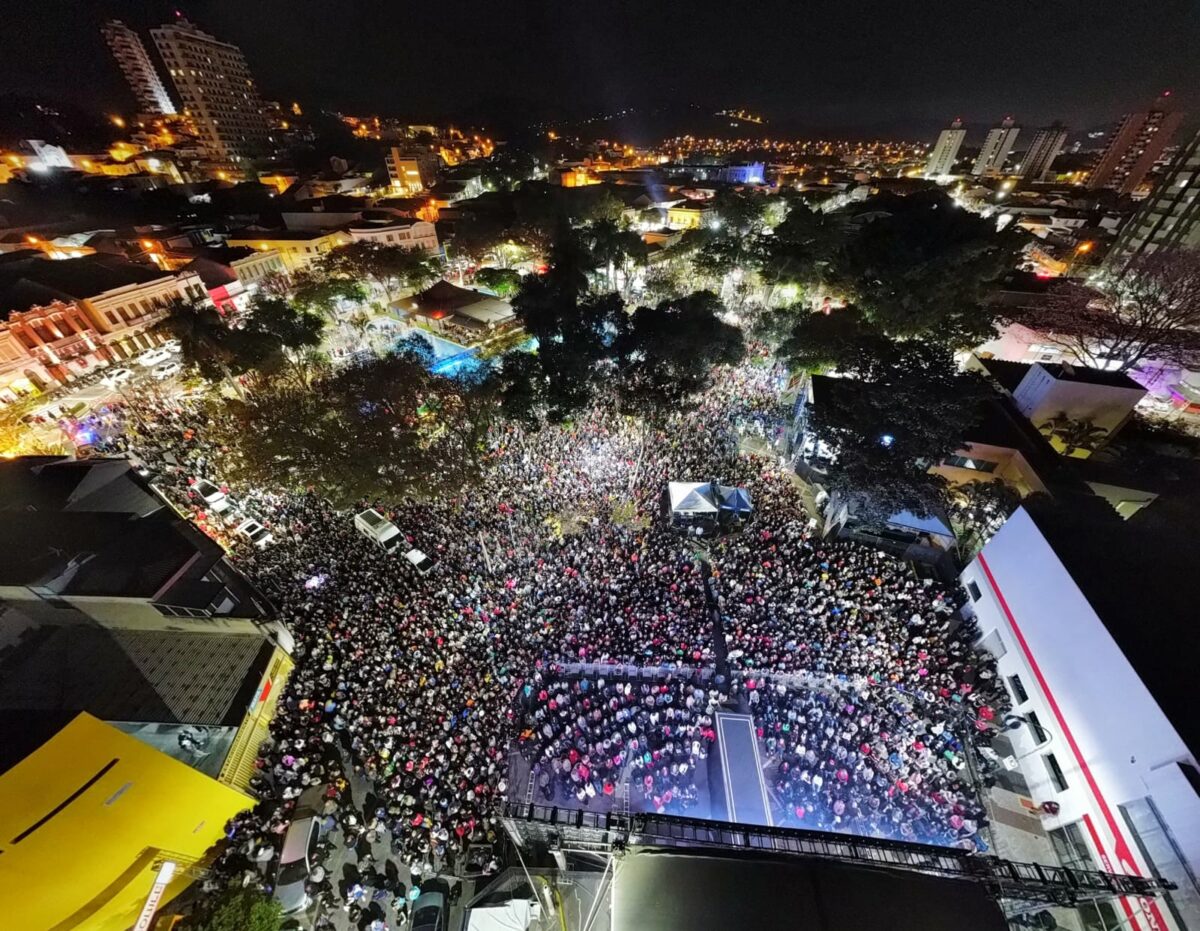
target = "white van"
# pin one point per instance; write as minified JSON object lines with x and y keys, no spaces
{"x":377,"y":528}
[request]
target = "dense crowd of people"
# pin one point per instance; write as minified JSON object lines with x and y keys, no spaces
{"x":857,"y":673}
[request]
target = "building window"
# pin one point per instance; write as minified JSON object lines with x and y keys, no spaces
{"x":965,"y":462}
{"x":1018,"y":689}
{"x":1039,"y":733}
{"x":1056,"y":773}
{"x":973,"y":588}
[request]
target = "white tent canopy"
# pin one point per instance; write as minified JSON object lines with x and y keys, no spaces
{"x":692,"y":497}
{"x":514,"y":915}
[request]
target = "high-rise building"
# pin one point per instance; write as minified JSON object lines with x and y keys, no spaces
{"x":139,"y":71}
{"x":412,"y":169}
{"x":1047,"y":143}
{"x":945,"y":150}
{"x":996,"y":147}
{"x":1135,"y":146}
{"x":1170,"y":217}
{"x":217,"y":91}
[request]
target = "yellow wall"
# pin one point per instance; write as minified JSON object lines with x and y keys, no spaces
{"x":239,"y":764}
{"x":91,"y":864}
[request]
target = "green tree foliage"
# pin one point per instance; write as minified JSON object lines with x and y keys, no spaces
{"x":1149,"y":310}
{"x":977,"y":510}
{"x":905,"y":407}
{"x":237,"y":909}
{"x":812,"y":341}
{"x":923,"y":266}
{"x":317,"y":292}
{"x":205,"y":338}
{"x":387,"y":428}
{"x":391,"y":269}
{"x":615,"y":250}
{"x":801,"y":249}
{"x":501,"y":281}
{"x":665,"y":354}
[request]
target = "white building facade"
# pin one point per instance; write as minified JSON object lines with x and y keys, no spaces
{"x":1126,"y":785}
{"x":996,"y":148}
{"x":945,"y":151}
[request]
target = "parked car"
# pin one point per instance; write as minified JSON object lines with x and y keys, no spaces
{"x":255,"y":532}
{"x":296,"y":861}
{"x":211,"y":495}
{"x":172,"y":345}
{"x":167,"y":369}
{"x":420,"y":561}
{"x":429,"y":912}
{"x":153,"y":357}
{"x":116,"y":377}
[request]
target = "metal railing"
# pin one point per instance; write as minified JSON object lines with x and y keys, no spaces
{"x":1004,"y":878}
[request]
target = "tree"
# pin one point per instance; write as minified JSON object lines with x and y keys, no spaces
{"x":1149,"y":312}
{"x":501,"y":281}
{"x":205,"y":339}
{"x":574,"y":330}
{"x":317,"y":292}
{"x":905,"y":408}
{"x":615,"y":249}
{"x":386,"y":428}
{"x":665,"y":355}
{"x":977,"y":510}
{"x":1073,"y":435}
{"x":389,"y":268}
{"x":280,"y":336}
{"x":240,"y":909}
{"x":923,"y":267}
{"x":842,"y":339}
{"x":801,"y":249}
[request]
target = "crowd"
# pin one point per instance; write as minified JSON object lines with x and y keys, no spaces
{"x":587,"y":738}
{"x":855,"y":672}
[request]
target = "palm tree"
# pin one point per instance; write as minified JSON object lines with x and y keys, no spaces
{"x":205,"y":340}
{"x":1073,"y":435}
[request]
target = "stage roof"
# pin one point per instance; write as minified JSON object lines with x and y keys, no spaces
{"x":657,"y":890}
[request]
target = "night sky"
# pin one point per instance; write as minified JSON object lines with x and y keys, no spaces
{"x":809,"y":65}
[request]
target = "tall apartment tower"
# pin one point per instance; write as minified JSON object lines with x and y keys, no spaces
{"x":1135,"y":146}
{"x":996,"y":147}
{"x":217,"y":91}
{"x":1047,"y":143}
{"x":945,"y":150}
{"x":1170,"y":216}
{"x":412,"y":169}
{"x":139,"y":71}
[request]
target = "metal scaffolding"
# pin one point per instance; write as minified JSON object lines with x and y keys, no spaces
{"x":1005,"y":879}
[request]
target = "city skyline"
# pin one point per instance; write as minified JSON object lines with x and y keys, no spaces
{"x":862,"y":75}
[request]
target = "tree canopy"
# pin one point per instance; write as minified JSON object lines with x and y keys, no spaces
{"x":239,"y":909}
{"x":1150,"y":311}
{"x":665,"y":354}
{"x":904,"y":407}
{"x":388,"y":427}
{"x":921,"y":266}
{"x":391,"y":269}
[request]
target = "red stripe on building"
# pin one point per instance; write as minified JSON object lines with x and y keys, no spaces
{"x":1124,"y":854}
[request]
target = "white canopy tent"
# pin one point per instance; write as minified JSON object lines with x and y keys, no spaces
{"x":692,"y":498}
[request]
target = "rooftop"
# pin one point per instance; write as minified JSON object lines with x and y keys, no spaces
{"x":256,"y":236}
{"x":1010,"y":374}
{"x":1132,"y":573}
{"x":95,"y":528}
{"x":55,"y":663}
{"x":35,"y":280}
